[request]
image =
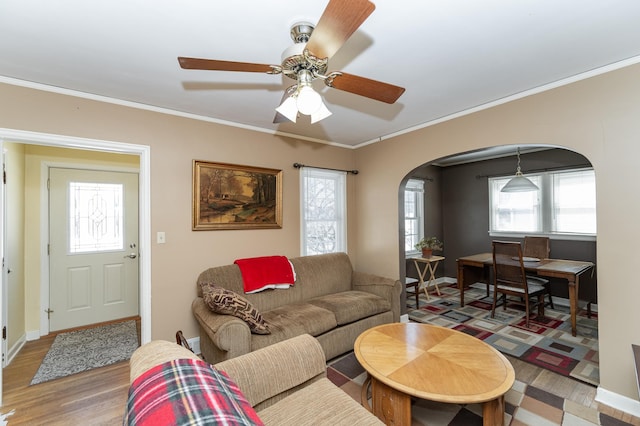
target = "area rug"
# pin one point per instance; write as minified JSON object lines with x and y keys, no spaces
{"x":526,"y":403}
{"x":83,"y":350}
{"x":547,"y":342}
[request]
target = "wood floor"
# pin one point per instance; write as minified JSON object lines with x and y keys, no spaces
{"x":95,"y":397}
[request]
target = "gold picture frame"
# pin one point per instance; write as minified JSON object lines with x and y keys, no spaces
{"x":231,"y":196}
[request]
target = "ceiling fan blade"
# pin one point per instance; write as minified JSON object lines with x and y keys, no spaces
{"x":215,"y":65}
{"x":383,"y":92}
{"x":339,"y":20}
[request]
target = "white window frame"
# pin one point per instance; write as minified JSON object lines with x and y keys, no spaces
{"x":543,"y":211}
{"x":323,"y":202}
{"x":414,"y":194}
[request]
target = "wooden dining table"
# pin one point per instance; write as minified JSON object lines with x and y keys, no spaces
{"x":473,"y":268}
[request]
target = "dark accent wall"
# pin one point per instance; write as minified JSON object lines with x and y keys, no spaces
{"x":457,"y":210}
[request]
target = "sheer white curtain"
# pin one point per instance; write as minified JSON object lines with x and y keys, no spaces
{"x":323,"y":211}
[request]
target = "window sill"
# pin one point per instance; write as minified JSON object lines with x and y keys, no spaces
{"x":566,"y":237}
{"x":410,"y":254}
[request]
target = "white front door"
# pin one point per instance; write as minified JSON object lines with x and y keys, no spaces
{"x":93,"y":247}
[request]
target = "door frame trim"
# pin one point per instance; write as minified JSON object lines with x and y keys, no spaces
{"x":144,"y":204}
{"x":45,"y":263}
{"x":4,"y":310}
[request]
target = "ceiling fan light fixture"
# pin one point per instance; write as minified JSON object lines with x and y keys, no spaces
{"x":322,"y":113}
{"x":289,"y":109}
{"x":308,"y":100}
{"x":303,"y":99}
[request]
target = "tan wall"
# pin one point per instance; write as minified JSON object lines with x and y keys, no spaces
{"x":35,"y":157}
{"x":175,"y":142}
{"x":599,"y":118}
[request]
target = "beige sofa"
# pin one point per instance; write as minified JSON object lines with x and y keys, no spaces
{"x":285,"y":383}
{"x":329,"y":301}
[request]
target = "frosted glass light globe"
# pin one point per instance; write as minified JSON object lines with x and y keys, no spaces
{"x":308,"y":100}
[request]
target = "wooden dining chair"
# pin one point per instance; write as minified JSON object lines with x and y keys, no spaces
{"x":509,"y":279}
{"x":538,"y":247}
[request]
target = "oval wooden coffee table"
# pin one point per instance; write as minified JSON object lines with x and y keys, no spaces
{"x":430,"y":362}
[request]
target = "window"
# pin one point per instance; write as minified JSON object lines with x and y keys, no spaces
{"x":95,"y":217}
{"x":413,"y":214}
{"x":323,"y":211}
{"x":565,"y":204}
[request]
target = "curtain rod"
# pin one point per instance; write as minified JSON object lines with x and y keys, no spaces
{"x":548,"y":169}
{"x":298,"y":166}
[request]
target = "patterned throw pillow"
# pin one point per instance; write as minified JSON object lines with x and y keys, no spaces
{"x":223,"y":301}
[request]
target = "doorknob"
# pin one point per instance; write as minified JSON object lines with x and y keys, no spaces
{"x":131,"y":256}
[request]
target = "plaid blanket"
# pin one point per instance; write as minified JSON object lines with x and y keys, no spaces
{"x":187,"y":392}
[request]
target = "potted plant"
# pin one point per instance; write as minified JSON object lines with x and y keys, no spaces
{"x":428,"y":245}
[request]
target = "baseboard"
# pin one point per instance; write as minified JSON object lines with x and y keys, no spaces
{"x":33,"y":335}
{"x":404,"y":318}
{"x":13,"y":351}
{"x":619,"y":402}
{"x":565,"y":302}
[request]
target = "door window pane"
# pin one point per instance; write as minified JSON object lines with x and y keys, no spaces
{"x":95,"y":217}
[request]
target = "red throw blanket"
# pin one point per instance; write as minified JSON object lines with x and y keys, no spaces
{"x":187,"y":392}
{"x":261,"y":273}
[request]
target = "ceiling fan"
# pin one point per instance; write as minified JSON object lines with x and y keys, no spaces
{"x":307,"y":60}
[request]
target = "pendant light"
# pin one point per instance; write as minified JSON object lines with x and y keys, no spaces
{"x":519,"y":183}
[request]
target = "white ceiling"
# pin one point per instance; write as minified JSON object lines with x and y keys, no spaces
{"x":452,"y":56}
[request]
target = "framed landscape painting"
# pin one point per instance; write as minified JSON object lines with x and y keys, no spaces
{"x":230,"y":196}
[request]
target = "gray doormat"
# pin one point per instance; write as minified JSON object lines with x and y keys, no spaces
{"x":83,"y":350}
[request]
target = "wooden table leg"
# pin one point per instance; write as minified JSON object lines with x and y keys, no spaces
{"x":364,"y":393}
{"x":389,"y":405}
{"x":461,"y":282}
{"x":493,"y":412}
{"x":432,"y":276}
{"x":421,"y":275}
{"x":573,"y":305}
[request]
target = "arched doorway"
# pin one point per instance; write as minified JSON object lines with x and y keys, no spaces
{"x":457,"y":209}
